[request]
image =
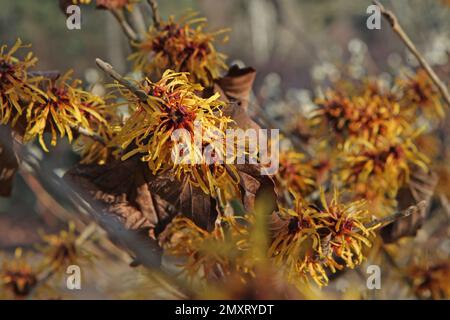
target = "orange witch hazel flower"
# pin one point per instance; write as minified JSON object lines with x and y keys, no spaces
{"x":307,"y":241}
{"x":181,"y":46}
{"x":172,"y":104}
{"x":18,"y":90}
{"x":65,"y":106}
{"x":366,"y":114}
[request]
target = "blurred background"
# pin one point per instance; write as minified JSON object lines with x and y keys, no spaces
{"x":295,"y":45}
{"x":290,"y":40}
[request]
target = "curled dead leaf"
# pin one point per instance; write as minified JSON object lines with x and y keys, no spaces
{"x":237,"y":84}
{"x":122,"y":188}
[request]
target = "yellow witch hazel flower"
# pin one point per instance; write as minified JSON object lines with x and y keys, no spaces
{"x":100,"y":150}
{"x":17,"y":89}
{"x":173,"y":115}
{"x":222,"y":251}
{"x":17,"y":276}
{"x":65,"y":106}
{"x":182,"y":46}
{"x":308,"y":241}
{"x":384,"y":164}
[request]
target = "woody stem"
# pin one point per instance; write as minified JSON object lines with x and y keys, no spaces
{"x":108,"y":69}
{"x":127,"y":29}
{"x":397,"y":28}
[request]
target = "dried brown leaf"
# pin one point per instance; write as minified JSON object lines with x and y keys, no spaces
{"x":416,"y":197}
{"x":111,"y":4}
{"x":237,"y":84}
{"x":142,"y":201}
{"x":122,"y":188}
{"x":235,"y":88}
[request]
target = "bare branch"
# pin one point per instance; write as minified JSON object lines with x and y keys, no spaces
{"x":127,"y":29}
{"x":155,"y":13}
{"x":108,"y":69}
{"x":393,"y":217}
{"x":136,"y":19}
{"x":393,"y":21}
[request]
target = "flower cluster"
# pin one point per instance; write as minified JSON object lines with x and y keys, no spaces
{"x":219,"y":253}
{"x":376,"y":142}
{"x":47,"y":104}
{"x":173,"y":103}
{"x":181,"y":46}
{"x":173,"y":122}
{"x":381,"y":166}
{"x":17,"y":276}
{"x":308,"y":241}
{"x":366,"y":113}
{"x":418,"y":93}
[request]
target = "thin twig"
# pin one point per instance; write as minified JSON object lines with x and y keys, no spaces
{"x":393,"y":21}
{"x":127,"y":29}
{"x":49,"y":273}
{"x":393,"y":217}
{"x":86,"y":234}
{"x":51,"y":74}
{"x":155,"y":13}
{"x":397,"y":268}
{"x":108,"y":69}
{"x":46,"y":200}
